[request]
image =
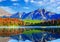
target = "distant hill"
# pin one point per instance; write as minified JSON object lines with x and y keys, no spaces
{"x":16,"y":15}
{"x":4,"y":13}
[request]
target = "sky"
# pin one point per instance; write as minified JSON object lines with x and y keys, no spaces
{"x":13,"y":40}
{"x":57,"y":40}
{"x":13,"y":6}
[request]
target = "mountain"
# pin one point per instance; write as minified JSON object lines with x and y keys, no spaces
{"x":16,"y":15}
{"x":4,"y":16}
{"x":40,"y":14}
{"x":32,"y":15}
{"x":4,"y":13}
{"x":37,"y":14}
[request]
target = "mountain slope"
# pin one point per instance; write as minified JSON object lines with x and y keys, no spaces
{"x":4,"y":13}
{"x":15,"y":15}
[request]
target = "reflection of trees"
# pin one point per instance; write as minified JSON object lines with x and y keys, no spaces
{"x":10,"y":31}
{"x":10,"y":22}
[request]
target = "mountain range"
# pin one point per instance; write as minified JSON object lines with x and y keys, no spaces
{"x":39,"y":14}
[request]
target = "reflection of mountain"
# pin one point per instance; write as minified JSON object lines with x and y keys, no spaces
{"x":4,"y":13}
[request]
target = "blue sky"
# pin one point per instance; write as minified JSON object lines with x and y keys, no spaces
{"x":14,"y":6}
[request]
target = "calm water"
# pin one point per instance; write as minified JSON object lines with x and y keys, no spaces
{"x":29,"y":26}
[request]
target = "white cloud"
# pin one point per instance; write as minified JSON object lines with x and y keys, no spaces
{"x":57,"y":0}
{"x":58,"y":8}
{"x":52,"y":1}
{"x":2,"y":0}
{"x":58,"y":3}
{"x":14,"y":0}
{"x":26,"y":1}
{"x":32,"y":1}
{"x":15,"y":4}
{"x":53,"y":5}
{"x":38,"y":3}
{"x":26,"y":7}
{"x":55,"y":10}
{"x":46,"y":0}
{"x":10,"y":10}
